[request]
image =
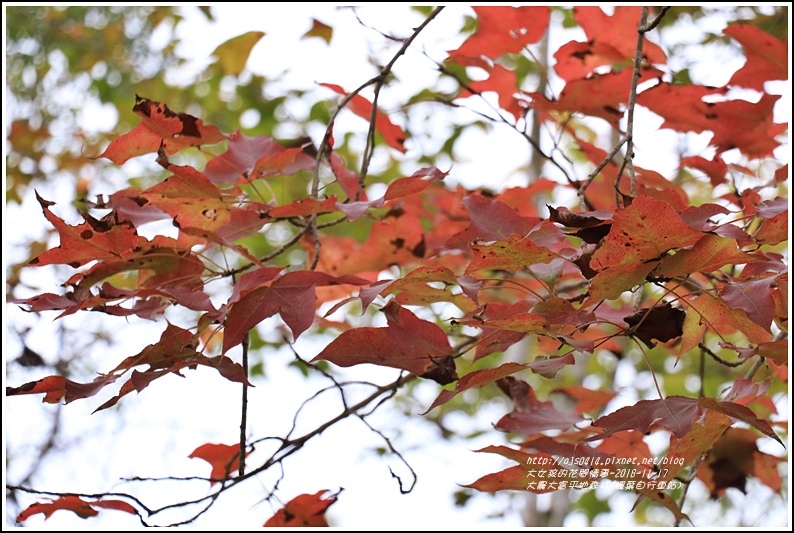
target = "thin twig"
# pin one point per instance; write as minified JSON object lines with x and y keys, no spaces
{"x":339,"y":386}
{"x":244,"y":401}
{"x":702,"y":374}
{"x":596,"y":170}
{"x":293,"y":445}
{"x":503,"y":120}
{"x":756,"y":367}
{"x":286,"y":449}
{"x":655,"y":22}
{"x":705,"y":349}
{"x":171,"y":478}
{"x":393,"y":450}
{"x":369,"y":149}
{"x":650,"y":368}
{"x":693,"y":472}
{"x":275,"y":253}
{"x":619,"y":195}
{"x":325,"y":143}
{"x":195,"y":516}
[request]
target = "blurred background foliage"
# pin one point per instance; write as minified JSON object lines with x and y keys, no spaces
{"x":67,"y":66}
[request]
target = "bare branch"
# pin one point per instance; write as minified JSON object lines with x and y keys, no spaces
{"x":596,"y":170}
{"x":369,"y":150}
{"x":288,"y":447}
{"x":244,"y":407}
{"x":393,"y":450}
{"x":501,"y":119}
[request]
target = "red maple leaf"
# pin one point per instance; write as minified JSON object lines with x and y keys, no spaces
{"x":513,"y":478}
{"x":588,"y":400}
{"x":503,"y":30}
{"x":478,"y":378}
{"x":291,"y":295}
{"x":645,"y":230}
{"x":224,"y":459}
{"x":600,"y":95}
{"x":735,"y":123}
{"x":75,"y":504}
{"x":740,"y":412}
{"x":525,"y":476}
{"x":531,"y":416}
{"x":585,"y":219}
{"x":396,"y":240}
{"x":773,"y":230}
{"x":415,"y":183}
{"x":190,"y":198}
{"x":391,"y":133}
{"x":504,"y":83}
{"x":175,"y":351}
{"x":80,"y":507}
{"x":347,"y":179}
{"x":511,"y":255}
{"x":726,"y":319}
{"x":491,"y":220}
{"x":306,"y":510}
{"x":674,"y":413}
{"x":56,"y":388}
{"x":305,"y":208}
{"x":549,"y":366}
{"x":754,"y":297}
{"x":697,"y":441}
{"x":415,"y":288}
{"x":767,"y":57}
{"x":92,"y":240}
{"x":253,"y":157}
{"x":715,"y":168}
{"x":710,"y":253}
{"x":160,"y":127}
{"x":611,"y":39}
{"x":408,"y":343}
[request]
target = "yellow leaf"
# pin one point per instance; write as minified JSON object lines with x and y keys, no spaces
{"x":318,"y":29}
{"x":233,"y":54}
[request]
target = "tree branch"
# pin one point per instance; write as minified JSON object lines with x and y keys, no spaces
{"x":628,"y":137}
{"x":705,"y":349}
{"x":655,"y":22}
{"x":369,"y":149}
{"x":532,"y":142}
{"x":633,"y":103}
{"x":244,"y":406}
{"x":287,"y":447}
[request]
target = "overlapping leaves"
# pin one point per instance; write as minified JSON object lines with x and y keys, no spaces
{"x":503,"y":271}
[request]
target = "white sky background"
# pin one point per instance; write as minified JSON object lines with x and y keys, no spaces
{"x":207,"y":410}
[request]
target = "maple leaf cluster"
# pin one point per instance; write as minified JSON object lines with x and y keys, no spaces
{"x":710,"y":277}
